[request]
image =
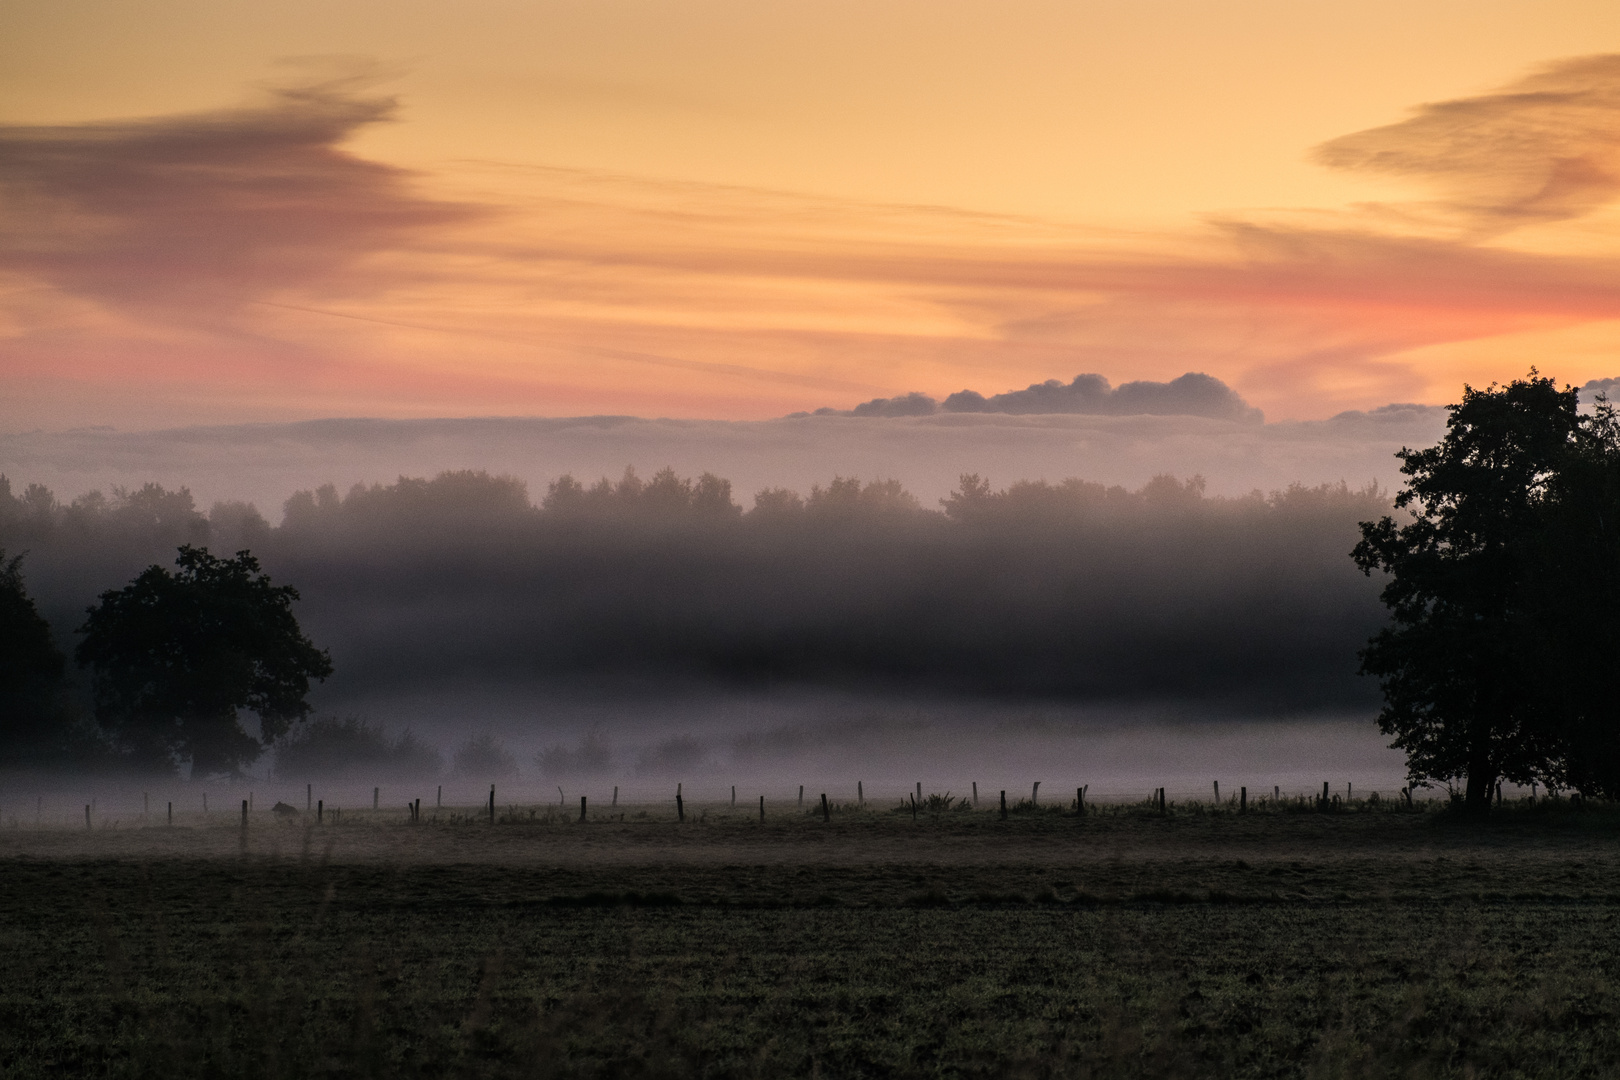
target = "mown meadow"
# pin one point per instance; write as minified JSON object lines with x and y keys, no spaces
{"x":1286,"y":942}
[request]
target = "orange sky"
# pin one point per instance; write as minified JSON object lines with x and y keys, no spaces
{"x":214,"y":212}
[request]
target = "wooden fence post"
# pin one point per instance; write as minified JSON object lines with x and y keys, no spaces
{"x":826,"y":811}
{"x":975,"y":794}
{"x":320,"y":810}
{"x":492,"y":804}
{"x":860,"y":795}
{"x":801,"y":796}
{"x":1217,"y":792}
{"x":171,"y":813}
{"x":1080,"y":802}
{"x":582,"y":809}
{"x":615,"y":794}
{"x":734,"y":796}
{"x":680,"y":808}
{"x":762,"y":808}
{"x":1243,"y":800}
{"x":1003,"y":804}
{"x":244,"y":813}
{"x":1035,"y":794}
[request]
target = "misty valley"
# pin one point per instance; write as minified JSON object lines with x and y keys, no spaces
{"x":1055,"y":779}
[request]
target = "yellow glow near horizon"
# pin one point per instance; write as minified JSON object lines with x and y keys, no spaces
{"x":738,"y":209}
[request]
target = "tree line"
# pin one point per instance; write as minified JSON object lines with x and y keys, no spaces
{"x":1069,"y":590}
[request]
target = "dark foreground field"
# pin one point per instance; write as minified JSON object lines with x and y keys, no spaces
{"x":1367,"y":943}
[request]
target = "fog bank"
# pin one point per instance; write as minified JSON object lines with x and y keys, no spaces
{"x":265,"y":463}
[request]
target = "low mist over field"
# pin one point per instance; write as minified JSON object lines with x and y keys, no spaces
{"x":650,"y":628}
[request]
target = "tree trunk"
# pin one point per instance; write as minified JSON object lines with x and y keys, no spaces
{"x":1481,"y":773}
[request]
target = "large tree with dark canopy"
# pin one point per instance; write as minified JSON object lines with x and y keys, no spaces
{"x":32,"y":718}
{"x":1480,"y":591}
{"x":178,"y":656}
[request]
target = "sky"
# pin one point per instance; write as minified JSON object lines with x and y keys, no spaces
{"x":217,"y":213}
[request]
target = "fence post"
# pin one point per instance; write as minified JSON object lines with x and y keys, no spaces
{"x":860,"y":794}
{"x":171,"y":813}
{"x":801,"y":795}
{"x":1080,"y":802}
{"x":320,"y":810}
{"x":1243,"y":800}
{"x":734,"y":796}
{"x":244,"y":813}
{"x":1217,"y":792}
{"x":826,"y":811}
{"x":975,"y":794}
{"x":919,"y":791}
{"x":492,"y":804}
{"x":1035,"y":794}
{"x":680,"y":807}
{"x":1004,"y":804}
{"x":762,"y":808}
{"x":615,"y":794}
{"x":438,"y":801}
{"x":582,"y":809}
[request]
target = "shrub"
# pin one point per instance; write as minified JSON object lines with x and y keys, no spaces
{"x":592,"y":758}
{"x":327,"y":747}
{"x":484,"y":757}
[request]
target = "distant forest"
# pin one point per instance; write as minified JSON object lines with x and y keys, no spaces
{"x":1070,"y":590}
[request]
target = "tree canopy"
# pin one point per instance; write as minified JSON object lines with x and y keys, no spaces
{"x":32,"y":717}
{"x":177,"y":657}
{"x":1487,"y":582}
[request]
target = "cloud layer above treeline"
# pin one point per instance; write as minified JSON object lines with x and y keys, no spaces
{"x":1071,"y":591}
{"x":1193,"y":394}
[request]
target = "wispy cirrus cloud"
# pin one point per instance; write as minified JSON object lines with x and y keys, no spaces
{"x":251,"y":255}
{"x":240,"y":202}
{"x":1543,"y":148}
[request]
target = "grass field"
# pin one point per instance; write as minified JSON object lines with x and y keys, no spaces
{"x":1199,"y":943}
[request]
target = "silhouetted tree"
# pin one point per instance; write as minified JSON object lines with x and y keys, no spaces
{"x":1574,"y":601}
{"x":32,"y":718}
{"x":177,"y":656}
{"x":1462,"y":663}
